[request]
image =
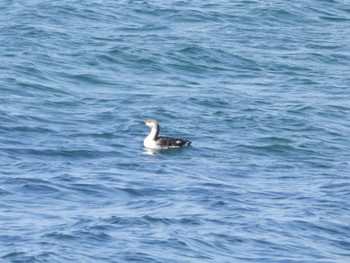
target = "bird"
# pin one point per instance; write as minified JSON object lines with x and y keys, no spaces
{"x":152,"y":141}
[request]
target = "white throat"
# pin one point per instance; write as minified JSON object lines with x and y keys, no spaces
{"x":153,"y":134}
{"x":150,"y":140}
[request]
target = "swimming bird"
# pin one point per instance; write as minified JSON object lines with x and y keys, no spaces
{"x":152,"y":141}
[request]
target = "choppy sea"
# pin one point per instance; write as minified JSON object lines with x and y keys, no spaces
{"x":261,"y":88}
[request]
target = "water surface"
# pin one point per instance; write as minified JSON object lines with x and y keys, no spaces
{"x":261,"y":89}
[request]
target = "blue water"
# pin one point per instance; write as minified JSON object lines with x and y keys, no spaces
{"x":261,"y":88}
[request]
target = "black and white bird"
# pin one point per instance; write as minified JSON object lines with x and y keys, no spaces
{"x":152,"y":141}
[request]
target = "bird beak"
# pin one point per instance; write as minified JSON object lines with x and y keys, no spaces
{"x":142,"y":122}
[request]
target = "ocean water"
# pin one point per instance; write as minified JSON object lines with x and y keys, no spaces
{"x":261,"y":88}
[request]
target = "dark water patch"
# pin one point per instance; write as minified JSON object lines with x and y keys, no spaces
{"x":87,"y":78}
{"x":138,"y":257}
{"x":40,"y":189}
{"x":31,"y":187}
{"x":273,"y":149}
{"x":61,"y":236}
{"x":131,"y":191}
{"x":92,"y":236}
{"x":18,"y":257}
{"x":27,"y":129}
{"x":128,"y":222}
{"x":42,"y":153}
{"x":154,"y":220}
{"x":93,"y":191}
{"x":334,"y":19}
{"x":4,"y":192}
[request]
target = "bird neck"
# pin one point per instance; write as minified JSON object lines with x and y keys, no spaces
{"x":154,"y":133}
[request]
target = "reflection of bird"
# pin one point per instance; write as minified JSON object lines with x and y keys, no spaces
{"x":152,"y":141}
